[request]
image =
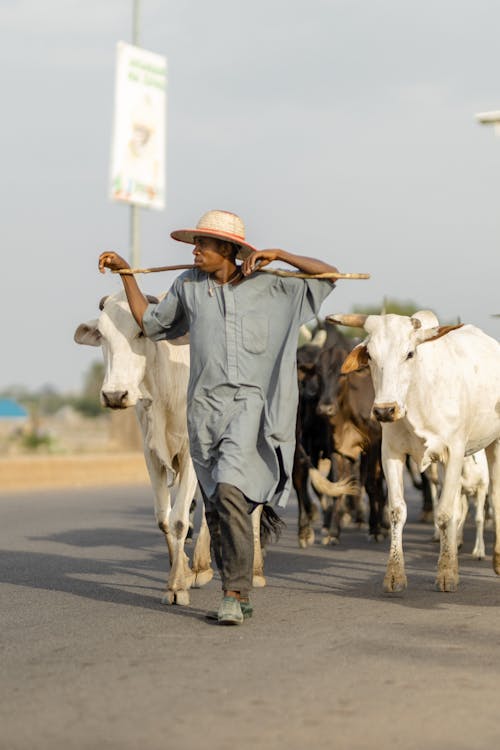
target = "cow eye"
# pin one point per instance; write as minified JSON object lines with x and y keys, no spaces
{"x":410,"y":355}
{"x":140,"y":335}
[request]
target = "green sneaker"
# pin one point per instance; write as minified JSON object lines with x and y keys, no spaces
{"x":246,"y":609}
{"x":229,"y":612}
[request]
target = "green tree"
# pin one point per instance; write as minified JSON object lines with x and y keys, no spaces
{"x":89,"y":402}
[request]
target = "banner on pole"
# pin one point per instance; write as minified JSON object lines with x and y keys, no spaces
{"x":139,"y":128}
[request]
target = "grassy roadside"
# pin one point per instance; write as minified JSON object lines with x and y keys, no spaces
{"x":85,"y":470}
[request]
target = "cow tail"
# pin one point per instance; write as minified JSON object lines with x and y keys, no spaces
{"x":271,"y":525}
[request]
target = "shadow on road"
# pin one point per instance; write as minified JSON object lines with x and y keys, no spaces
{"x":129,"y":566}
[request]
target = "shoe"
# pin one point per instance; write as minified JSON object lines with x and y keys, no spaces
{"x":230,"y":612}
{"x":246,"y":610}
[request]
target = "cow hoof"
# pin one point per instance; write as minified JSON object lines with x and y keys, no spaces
{"x":478,"y":555}
{"x":394,"y":585}
{"x":182,"y":598}
{"x":202,"y":577}
{"x":447,"y":584}
{"x":259,"y":581}
{"x":328,"y":539}
{"x":496,"y":563}
{"x":306,"y":538}
{"x":176,"y":597}
{"x":168,"y":598}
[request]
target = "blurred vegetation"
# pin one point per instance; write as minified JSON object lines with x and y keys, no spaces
{"x":389,"y":306}
{"x":88,"y":403}
{"x":47,"y":400}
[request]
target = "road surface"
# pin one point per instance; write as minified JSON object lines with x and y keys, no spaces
{"x":91,"y":660}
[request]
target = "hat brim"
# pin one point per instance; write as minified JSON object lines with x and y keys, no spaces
{"x":188,"y":235}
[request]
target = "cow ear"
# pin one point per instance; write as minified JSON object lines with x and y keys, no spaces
{"x":355,"y":360}
{"x":88,"y":334}
{"x":431,"y":334}
{"x":152,"y":300}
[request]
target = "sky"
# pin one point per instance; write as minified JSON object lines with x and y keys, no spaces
{"x":340,"y":129}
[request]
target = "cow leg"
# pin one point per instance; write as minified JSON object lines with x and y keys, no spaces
{"x":448,"y":518}
{"x":464,"y":509}
{"x":395,"y":577}
{"x":336,"y":508}
{"x":433,"y":475}
{"x":299,"y":479}
{"x":374,"y":485}
{"x":478,"y":553}
{"x":331,"y":526}
{"x":161,"y":494}
{"x":202,"y":561}
{"x":181,"y":576}
{"x":259,"y":580}
{"x":427,"y":513}
{"x":493,"y":456}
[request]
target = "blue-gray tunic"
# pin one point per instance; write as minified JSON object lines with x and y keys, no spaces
{"x":242,"y":394}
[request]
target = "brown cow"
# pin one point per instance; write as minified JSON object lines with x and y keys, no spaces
{"x":357,"y":437}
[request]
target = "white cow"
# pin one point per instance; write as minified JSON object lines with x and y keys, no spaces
{"x":153,"y":377}
{"x":437,"y":395}
{"x":475,"y":482}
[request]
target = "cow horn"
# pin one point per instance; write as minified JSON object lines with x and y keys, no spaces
{"x":103,"y":302}
{"x":305,"y":333}
{"x":319,"y":338}
{"x":353,"y":320}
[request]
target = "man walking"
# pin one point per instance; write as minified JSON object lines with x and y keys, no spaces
{"x":242,"y":394}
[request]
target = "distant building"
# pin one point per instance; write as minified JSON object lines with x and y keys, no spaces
{"x":14,"y":419}
{"x":11,"y":411}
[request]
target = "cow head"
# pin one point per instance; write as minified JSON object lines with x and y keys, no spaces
{"x":390,"y":349}
{"x":123,"y":346}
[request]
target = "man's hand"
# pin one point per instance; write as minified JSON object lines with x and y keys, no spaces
{"x":261,"y":258}
{"x":258,"y":259}
{"x":111,"y":260}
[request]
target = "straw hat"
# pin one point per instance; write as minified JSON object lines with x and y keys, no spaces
{"x":222,"y":225}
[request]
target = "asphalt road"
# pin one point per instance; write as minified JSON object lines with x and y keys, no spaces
{"x":90,"y":659}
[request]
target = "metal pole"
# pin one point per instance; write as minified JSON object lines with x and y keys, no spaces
{"x":135,"y":229}
{"x":135,"y":22}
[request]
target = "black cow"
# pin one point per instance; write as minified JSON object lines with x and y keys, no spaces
{"x":313,"y":434}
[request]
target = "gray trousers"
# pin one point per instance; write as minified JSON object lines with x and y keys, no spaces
{"x":231,"y":534}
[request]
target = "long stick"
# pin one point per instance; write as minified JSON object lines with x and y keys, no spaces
{"x":274,"y":271}
{"x":132,"y":271}
{"x":327,"y":275}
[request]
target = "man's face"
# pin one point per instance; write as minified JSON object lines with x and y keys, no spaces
{"x":210,"y":254}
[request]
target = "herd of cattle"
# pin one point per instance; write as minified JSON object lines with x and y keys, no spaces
{"x":412,"y":394}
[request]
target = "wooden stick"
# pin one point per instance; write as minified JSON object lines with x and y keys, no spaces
{"x":131,"y":271}
{"x":328,"y":275}
{"x":275,"y":271}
